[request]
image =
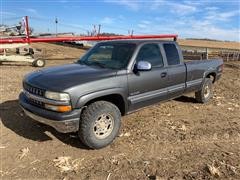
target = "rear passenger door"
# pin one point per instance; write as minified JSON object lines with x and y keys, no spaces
{"x":176,"y":69}
{"x":148,"y":87}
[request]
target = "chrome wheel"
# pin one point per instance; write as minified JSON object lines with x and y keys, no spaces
{"x":103,"y":126}
{"x":207,"y":91}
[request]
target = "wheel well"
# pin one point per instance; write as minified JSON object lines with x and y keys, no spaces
{"x":116,"y":99}
{"x":212,"y":76}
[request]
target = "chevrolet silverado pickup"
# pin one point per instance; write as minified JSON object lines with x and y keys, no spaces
{"x":112,"y":79}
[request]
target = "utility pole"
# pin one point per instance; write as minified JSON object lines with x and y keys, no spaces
{"x":132,"y":33}
{"x":56,"y":22}
{"x":94,"y":33}
{"x":99,"y":29}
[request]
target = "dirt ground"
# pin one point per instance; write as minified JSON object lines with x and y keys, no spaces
{"x":179,"y":139}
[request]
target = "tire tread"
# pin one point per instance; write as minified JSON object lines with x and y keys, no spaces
{"x":86,"y":120}
{"x":199,"y":95}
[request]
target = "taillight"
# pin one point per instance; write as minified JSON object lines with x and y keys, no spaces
{"x":220,"y":68}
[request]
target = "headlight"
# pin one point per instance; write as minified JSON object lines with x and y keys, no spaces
{"x":57,"y":96}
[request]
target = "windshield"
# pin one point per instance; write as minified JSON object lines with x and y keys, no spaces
{"x":109,"y":55}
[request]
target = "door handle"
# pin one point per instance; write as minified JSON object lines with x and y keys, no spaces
{"x":164,"y":74}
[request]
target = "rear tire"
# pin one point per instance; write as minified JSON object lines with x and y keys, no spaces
{"x":99,"y":124}
{"x":206,"y":93}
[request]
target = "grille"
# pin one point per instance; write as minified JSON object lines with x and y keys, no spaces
{"x":36,"y":103}
{"x":35,"y":91}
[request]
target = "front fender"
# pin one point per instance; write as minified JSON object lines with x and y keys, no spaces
{"x":83,"y":100}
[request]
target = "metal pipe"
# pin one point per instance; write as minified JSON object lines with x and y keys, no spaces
{"x":82,"y":38}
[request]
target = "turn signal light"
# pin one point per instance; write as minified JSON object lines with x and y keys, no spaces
{"x":58,"y":108}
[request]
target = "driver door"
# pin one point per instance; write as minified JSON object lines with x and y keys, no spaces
{"x":148,"y":87}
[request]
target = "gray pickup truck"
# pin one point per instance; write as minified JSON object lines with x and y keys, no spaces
{"x":112,"y":79}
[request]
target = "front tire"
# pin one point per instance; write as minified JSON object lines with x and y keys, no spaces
{"x":206,"y":93}
{"x":99,"y":124}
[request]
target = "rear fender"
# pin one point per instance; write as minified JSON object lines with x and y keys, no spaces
{"x":209,"y":71}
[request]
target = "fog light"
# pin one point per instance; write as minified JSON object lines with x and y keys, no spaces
{"x":58,"y":108}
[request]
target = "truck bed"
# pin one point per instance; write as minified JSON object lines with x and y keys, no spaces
{"x":196,"y":71}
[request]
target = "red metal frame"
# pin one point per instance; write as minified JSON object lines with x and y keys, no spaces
{"x":82,"y":38}
{"x":28,"y":39}
{"x":27,"y":30}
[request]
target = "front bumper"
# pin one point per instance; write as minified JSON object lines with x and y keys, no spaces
{"x":62,"y":122}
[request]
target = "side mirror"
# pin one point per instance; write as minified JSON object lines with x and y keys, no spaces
{"x":143,"y":66}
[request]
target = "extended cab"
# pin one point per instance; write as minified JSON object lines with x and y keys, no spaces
{"x":113,"y":79}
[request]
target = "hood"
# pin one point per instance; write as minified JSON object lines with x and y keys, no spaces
{"x":63,"y":77}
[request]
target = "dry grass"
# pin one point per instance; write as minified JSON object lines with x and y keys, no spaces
{"x":23,"y":153}
{"x":210,"y":44}
{"x":66,"y":164}
{"x":214,"y":171}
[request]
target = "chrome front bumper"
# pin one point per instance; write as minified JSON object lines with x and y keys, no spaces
{"x":64,"y":126}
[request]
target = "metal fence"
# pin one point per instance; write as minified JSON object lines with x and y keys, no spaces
{"x":199,"y":53}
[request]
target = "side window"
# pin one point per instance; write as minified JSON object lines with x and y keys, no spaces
{"x":172,"y":54}
{"x":152,"y":54}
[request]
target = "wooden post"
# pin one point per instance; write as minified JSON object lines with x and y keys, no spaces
{"x":236,"y":55}
{"x":4,"y":52}
{"x":227,"y":56}
{"x":206,"y":53}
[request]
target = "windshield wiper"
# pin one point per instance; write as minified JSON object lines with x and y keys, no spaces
{"x":98,"y":64}
{"x":92,"y":63}
{"x":82,"y":62}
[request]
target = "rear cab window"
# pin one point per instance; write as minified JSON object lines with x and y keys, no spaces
{"x":150,"y":53}
{"x":172,"y":54}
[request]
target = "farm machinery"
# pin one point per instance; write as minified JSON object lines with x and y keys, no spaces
{"x":21,"y":53}
{"x":25,"y":53}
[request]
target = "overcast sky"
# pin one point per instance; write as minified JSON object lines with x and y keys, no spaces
{"x":190,"y":19}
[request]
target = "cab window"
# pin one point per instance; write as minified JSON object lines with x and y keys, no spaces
{"x":171,"y":54}
{"x":150,"y":53}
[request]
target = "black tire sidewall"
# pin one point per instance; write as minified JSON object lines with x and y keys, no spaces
{"x":87,"y":134}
